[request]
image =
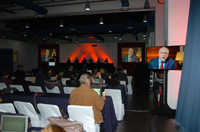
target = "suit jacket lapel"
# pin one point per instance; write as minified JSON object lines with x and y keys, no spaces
{"x":166,"y":64}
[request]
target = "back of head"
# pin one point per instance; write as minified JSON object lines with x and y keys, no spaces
{"x":70,"y":66}
{"x":102,"y":70}
{"x":5,"y":72}
{"x":119,"y":69}
{"x":84,"y":79}
{"x":95,"y":71}
{"x":72,"y":76}
{"x":54,"y":72}
{"x":114,"y":81}
{"x":53,"y":128}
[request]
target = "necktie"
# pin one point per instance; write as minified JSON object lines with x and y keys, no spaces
{"x":161,"y":66}
{"x":129,"y":60}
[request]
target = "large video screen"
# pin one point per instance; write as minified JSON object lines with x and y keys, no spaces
{"x":47,"y":54}
{"x":170,"y":57}
{"x":130,"y":54}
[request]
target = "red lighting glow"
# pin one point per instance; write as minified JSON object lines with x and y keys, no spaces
{"x":87,"y":51}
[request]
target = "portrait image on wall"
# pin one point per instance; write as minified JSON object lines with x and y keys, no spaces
{"x":130,"y":54}
{"x":47,"y":54}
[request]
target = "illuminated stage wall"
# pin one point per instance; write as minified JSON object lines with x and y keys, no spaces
{"x":89,"y":50}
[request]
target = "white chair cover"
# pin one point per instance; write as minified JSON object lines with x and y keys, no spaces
{"x":19,"y":87}
{"x":27,"y":108}
{"x":123,"y":83}
{"x":64,"y":80}
{"x":2,"y":86}
{"x":129,"y":86}
{"x":7,"y":107}
{"x":117,"y":102}
{"x":38,"y":88}
{"x":47,"y":110}
{"x":12,"y":78}
{"x":28,"y":79}
{"x":68,"y":90}
{"x":85,"y":115}
{"x":54,"y":90}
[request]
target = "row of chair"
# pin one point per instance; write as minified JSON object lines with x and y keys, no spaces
{"x":83,"y":114}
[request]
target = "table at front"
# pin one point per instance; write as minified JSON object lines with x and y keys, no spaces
{"x":61,"y":100}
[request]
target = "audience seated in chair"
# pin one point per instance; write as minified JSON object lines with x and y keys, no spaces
{"x":103,"y":75}
{"x":121,"y":76}
{"x":19,"y":80}
{"x":53,"y":81}
{"x":20,"y":71}
{"x":86,"y":96}
{"x":68,"y":73}
{"x":73,"y":82}
{"x":40,"y":78}
{"x":5,"y":79}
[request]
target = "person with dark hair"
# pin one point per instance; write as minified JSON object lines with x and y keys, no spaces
{"x":76,"y":61}
{"x":19,"y":80}
{"x":158,"y":82}
{"x":95,"y":71}
{"x":73,"y":82}
{"x":103,"y":75}
{"x":121,"y":76}
{"x":90,"y":60}
{"x":19,"y":70}
{"x":68,"y":73}
{"x":98,"y":61}
{"x":5,"y":79}
{"x":86,"y":96}
{"x":53,"y":81}
{"x":40,"y":78}
{"x":84,"y":61}
{"x":68,"y":61}
{"x":106,"y":61}
{"x":84,"y":70}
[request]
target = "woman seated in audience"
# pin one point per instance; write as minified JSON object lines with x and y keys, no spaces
{"x":53,"y":128}
{"x":96,"y":81}
{"x":5,"y":79}
{"x":94,"y":72}
{"x":19,"y":80}
{"x":73,"y":82}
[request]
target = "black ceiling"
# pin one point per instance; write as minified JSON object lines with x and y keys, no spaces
{"x":84,"y":24}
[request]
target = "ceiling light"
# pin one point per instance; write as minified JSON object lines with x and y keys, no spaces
{"x":97,"y":39}
{"x":120,"y":38}
{"x":39,"y":42}
{"x":145,"y":18}
{"x":101,"y":20}
{"x":4,"y":36}
{"x":57,"y":41}
{"x":115,"y":36}
{"x":146,"y":5}
{"x":110,"y":31}
{"x":129,"y":24}
{"x":66,"y":37}
{"x":61,"y":23}
{"x":26,"y":25}
{"x":144,"y":35}
{"x":24,"y":35}
{"x":144,"y":38}
{"x":87,"y":6}
{"x":77,"y":40}
{"x":44,"y":38}
{"x":50,"y":34}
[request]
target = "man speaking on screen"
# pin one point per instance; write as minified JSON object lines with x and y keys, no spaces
{"x":130,"y":57}
{"x":162,"y":62}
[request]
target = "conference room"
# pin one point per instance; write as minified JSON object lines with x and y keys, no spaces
{"x":119,"y":39}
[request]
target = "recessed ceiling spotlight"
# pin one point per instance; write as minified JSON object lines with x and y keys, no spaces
{"x":66,"y":36}
{"x":110,"y":31}
{"x":50,"y":34}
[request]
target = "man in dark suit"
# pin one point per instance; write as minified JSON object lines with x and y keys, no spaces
{"x":121,"y":76}
{"x":46,"y":57}
{"x":130,"y":57}
{"x":67,"y":74}
{"x":162,"y":62}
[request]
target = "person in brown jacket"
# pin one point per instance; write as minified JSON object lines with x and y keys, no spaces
{"x":86,"y":96}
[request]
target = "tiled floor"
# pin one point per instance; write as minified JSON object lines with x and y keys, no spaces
{"x":138,"y":117}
